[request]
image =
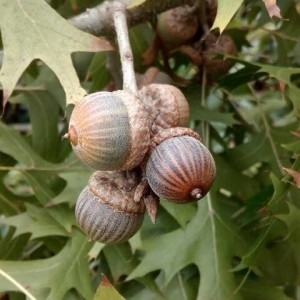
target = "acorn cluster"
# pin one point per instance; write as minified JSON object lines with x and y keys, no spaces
{"x":142,"y":151}
{"x":140,"y":144}
{"x":186,"y":30}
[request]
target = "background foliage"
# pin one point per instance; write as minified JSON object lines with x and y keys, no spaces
{"x":241,"y":242}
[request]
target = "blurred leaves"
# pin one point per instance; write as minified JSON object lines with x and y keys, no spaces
{"x":240,"y":242}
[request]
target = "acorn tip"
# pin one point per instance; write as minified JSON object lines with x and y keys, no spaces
{"x":65,"y":136}
{"x":196,"y":194}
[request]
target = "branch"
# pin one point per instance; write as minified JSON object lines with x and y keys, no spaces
{"x":98,"y":20}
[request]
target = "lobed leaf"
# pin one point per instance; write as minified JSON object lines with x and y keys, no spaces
{"x":40,"y":33}
{"x":68,"y":269}
{"x":209,"y":241}
{"x":38,"y":222}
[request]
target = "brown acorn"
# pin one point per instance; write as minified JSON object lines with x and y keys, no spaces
{"x":106,"y":210}
{"x":180,"y":168}
{"x":177,"y":26}
{"x":218,"y":46}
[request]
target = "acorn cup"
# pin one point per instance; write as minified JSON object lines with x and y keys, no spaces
{"x":166,"y":104}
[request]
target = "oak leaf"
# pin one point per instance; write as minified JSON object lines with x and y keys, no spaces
{"x":38,"y":32}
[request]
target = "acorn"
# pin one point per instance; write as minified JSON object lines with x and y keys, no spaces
{"x":106,"y":210}
{"x":110,"y":130}
{"x":180,"y":169}
{"x":177,"y":26}
{"x":218,"y":46}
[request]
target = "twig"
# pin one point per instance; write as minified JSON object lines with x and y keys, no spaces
{"x":17,"y":284}
{"x":120,"y":22}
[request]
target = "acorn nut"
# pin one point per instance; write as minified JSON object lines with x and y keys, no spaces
{"x":110,"y":130}
{"x":180,"y":168}
{"x":106,"y":210}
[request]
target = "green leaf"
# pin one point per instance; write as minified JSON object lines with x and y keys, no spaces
{"x":9,"y":202}
{"x":209,"y":241}
{"x":184,"y":285}
{"x":277,"y":204}
{"x":99,"y":73}
{"x":38,"y":32}
{"x":225,"y":12}
{"x":68,"y":269}
{"x":44,"y":120}
{"x":259,"y":251}
{"x":282,"y":74}
{"x":259,"y":289}
{"x":263,"y":147}
{"x":208,"y":115}
{"x":292,"y":222}
{"x":138,"y":40}
{"x":181,"y":213}
{"x":39,"y":182}
{"x":76,"y":181}
{"x":106,"y":291}
{"x":40,"y":222}
{"x":119,"y":258}
{"x":95,"y":250}
{"x":13,"y":144}
{"x":200,"y":113}
{"x":228,"y":173}
{"x":12,"y":247}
